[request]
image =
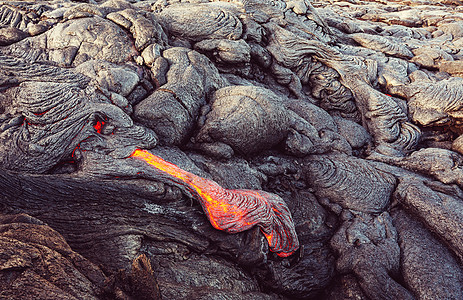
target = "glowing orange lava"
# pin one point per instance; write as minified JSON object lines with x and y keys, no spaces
{"x":235,"y":210}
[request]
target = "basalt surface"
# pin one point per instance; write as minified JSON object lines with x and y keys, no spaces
{"x":242,"y":149}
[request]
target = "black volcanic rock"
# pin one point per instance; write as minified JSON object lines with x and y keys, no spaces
{"x":332,"y":127}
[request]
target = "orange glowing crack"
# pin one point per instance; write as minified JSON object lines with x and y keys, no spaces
{"x":235,"y":210}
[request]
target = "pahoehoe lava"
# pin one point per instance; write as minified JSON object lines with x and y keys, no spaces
{"x":236,"y":210}
{"x":323,"y":139}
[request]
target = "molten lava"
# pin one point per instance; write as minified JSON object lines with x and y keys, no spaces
{"x":235,"y":210}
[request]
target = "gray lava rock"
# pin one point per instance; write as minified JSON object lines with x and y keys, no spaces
{"x":171,"y":110}
{"x":420,"y":248}
{"x":328,"y":175}
{"x":338,"y":122}
{"x":248,"y":119}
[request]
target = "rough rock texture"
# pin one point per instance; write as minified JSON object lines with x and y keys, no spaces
{"x":332,"y":178}
{"x":36,"y":258}
{"x":422,"y":256}
{"x":172,"y":109}
{"x":249,"y":149}
{"x":241,"y":113}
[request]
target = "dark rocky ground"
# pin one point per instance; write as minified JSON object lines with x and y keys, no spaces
{"x":350,"y":111}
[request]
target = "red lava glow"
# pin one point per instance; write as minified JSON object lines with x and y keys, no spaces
{"x":41,"y":113}
{"x":235,"y":210}
{"x":74,"y":151}
{"x":98,"y":126}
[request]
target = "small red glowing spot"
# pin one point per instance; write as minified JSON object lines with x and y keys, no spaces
{"x":235,"y":210}
{"x":73,"y":151}
{"x":99,"y":126}
{"x":41,"y":113}
{"x":388,"y":95}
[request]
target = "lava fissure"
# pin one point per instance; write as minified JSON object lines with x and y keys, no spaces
{"x":235,"y":210}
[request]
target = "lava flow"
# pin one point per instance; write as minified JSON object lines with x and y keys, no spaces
{"x":235,"y":210}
